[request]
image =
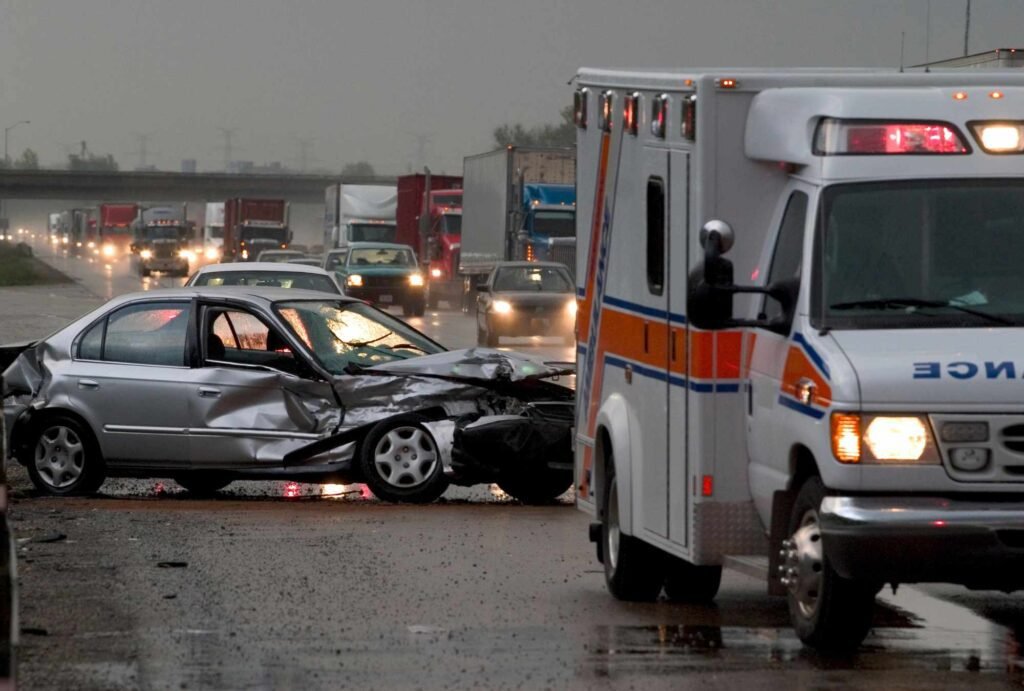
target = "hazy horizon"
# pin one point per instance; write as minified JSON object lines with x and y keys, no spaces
{"x":395,"y":83}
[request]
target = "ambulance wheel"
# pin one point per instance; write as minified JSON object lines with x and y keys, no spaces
{"x":685,"y":582}
{"x":400,"y":461}
{"x":633,"y":570}
{"x":828,"y":612}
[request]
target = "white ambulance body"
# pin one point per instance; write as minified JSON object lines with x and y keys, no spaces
{"x":870,"y":432}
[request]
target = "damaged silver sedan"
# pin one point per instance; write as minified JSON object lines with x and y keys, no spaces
{"x":208,"y":386}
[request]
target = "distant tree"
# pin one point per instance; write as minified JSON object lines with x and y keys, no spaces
{"x":358,"y":169}
{"x":29,"y":161}
{"x":562,"y":134}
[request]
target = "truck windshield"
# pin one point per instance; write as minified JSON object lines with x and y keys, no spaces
{"x":451,"y":224}
{"x":381,"y":257}
{"x":164,"y":233}
{"x":276,"y":234}
{"x":371,"y":232}
{"x":555,"y":224}
{"x":215,"y":231}
{"x":920,"y":254}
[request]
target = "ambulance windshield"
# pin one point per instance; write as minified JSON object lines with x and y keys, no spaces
{"x":920,"y":254}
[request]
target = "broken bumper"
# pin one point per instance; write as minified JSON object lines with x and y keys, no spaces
{"x":926,"y":539}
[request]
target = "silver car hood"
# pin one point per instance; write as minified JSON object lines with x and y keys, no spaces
{"x":476,"y":365}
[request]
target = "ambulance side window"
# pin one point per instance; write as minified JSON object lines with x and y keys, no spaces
{"x":656,"y":235}
{"x":789,"y":246}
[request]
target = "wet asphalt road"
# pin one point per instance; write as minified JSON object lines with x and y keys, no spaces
{"x":280,"y":586}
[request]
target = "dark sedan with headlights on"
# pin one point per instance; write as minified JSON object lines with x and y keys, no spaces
{"x":526,"y":299}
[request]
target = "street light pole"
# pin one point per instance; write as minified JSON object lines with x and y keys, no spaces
{"x":7,"y":159}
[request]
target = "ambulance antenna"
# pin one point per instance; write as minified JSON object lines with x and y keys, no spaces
{"x":903,"y":41}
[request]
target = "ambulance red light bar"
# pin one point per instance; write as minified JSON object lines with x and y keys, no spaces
{"x":604,"y":120}
{"x":659,"y":113}
{"x":1002,"y":137}
{"x":837,"y":137}
{"x":631,"y":113}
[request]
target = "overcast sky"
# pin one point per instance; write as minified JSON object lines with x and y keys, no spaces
{"x":360,"y":79}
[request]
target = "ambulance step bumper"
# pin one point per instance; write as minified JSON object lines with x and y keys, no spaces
{"x":926,"y":540}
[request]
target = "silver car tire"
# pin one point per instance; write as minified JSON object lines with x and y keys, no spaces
{"x":400,"y":461}
{"x":64,"y":458}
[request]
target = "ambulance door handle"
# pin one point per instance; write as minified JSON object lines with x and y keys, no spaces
{"x":750,"y":397}
{"x":673,"y":340}
{"x":647,"y":340}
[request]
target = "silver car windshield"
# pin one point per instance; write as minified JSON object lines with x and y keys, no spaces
{"x":343,"y":334}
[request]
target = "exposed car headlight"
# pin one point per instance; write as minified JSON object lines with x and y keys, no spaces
{"x":416,"y":280}
{"x":570,"y":308}
{"x":64,"y":240}
{"x":245,"y":254}
{"x":109,"y":250}
{"x":90,"y":244}
{"x":355,"y":280}
{"x":883,"y":439}
{"x":146,"y":254}
{"x":186,"y":254}
{"x":212,"y":253}
{"x":501,"y":307}
{"x":436,"y":273}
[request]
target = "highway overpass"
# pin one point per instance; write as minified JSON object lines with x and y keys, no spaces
{"x":168,"y":187}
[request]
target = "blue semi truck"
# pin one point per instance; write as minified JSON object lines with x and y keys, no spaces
{"x":518,"y":203}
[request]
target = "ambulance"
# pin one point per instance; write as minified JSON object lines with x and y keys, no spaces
{"x":801,"y":333}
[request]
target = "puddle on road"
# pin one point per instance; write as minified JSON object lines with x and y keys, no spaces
{"x":621,"y":651}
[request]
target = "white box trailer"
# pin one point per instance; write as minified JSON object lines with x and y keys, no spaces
{"x":837,"y":399}
{"x":356,"y":213}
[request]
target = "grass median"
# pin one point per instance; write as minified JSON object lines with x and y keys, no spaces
{"x":19,"y":268}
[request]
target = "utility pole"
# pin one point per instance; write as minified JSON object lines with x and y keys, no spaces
{"x":304,"y":158}
{"x":967,"y":29}
{"x":7,"y":158}
{"x":227,"y":133}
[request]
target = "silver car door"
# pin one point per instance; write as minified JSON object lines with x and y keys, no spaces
{"x":129,"y":379}
{"x":250,"y":405}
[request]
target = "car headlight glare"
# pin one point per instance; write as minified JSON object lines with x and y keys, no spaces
{"x":109,"y":250}
{"x":885,"y":439}
{"x":416,"y":280}
{"x":501,"y":307}
{"x":146,"y":254}
{"x":355,"y":280}
{"x":212,"y":253}
{"x":436,"y":273}
{"x":570,"y":308}
{"x":186,"y":254}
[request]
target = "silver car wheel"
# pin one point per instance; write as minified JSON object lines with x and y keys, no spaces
{"x":803,"y":572}
{"x":60,"y":456}
{"x":614,"y":533}
{"x":406,"y":457}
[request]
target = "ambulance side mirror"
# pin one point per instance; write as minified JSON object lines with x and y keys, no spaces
{"x":709,"y":299}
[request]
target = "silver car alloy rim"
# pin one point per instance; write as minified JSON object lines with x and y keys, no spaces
{"x":60,"y":456}
{"x":802,"y":567}
{"x":406,"y":457}
{"x":613,"y":525}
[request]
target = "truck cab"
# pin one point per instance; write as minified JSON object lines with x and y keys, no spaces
{"x":160,"y":241}
{"x":547,"y":230}
{"x":798,"y":325}
{"x":444,"y":241}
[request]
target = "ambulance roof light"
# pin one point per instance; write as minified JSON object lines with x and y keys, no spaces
{"x":999,"y":137}
{"x":659,"y":115}
{"x":631,"y":113}
{"x":604,"y":120}
{"x":580,"y":104}
{"x":836,"y":137}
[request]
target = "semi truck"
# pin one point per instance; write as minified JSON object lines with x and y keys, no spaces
{"x":519,"y":204}
{"x":799,"y":326}
{"x":213,"y":232}
{"x":254,"y":225}
{"x":160,"y":240}
{"x":115,"y":229}
{"x":429,"y":218}
{"x":359,"y":213}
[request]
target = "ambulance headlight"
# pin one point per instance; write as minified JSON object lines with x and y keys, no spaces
{"x":883,"y":439}
{"x":999,"y":137}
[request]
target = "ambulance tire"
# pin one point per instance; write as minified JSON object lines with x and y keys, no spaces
{"x":828,"y":612}
{"x":633,"y":570}
{"x":686,"y":582}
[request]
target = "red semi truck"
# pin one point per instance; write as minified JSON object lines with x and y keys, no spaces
{"x":429,"y":218}
{"x":254,"y":225}
{"x":115,"y":229}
